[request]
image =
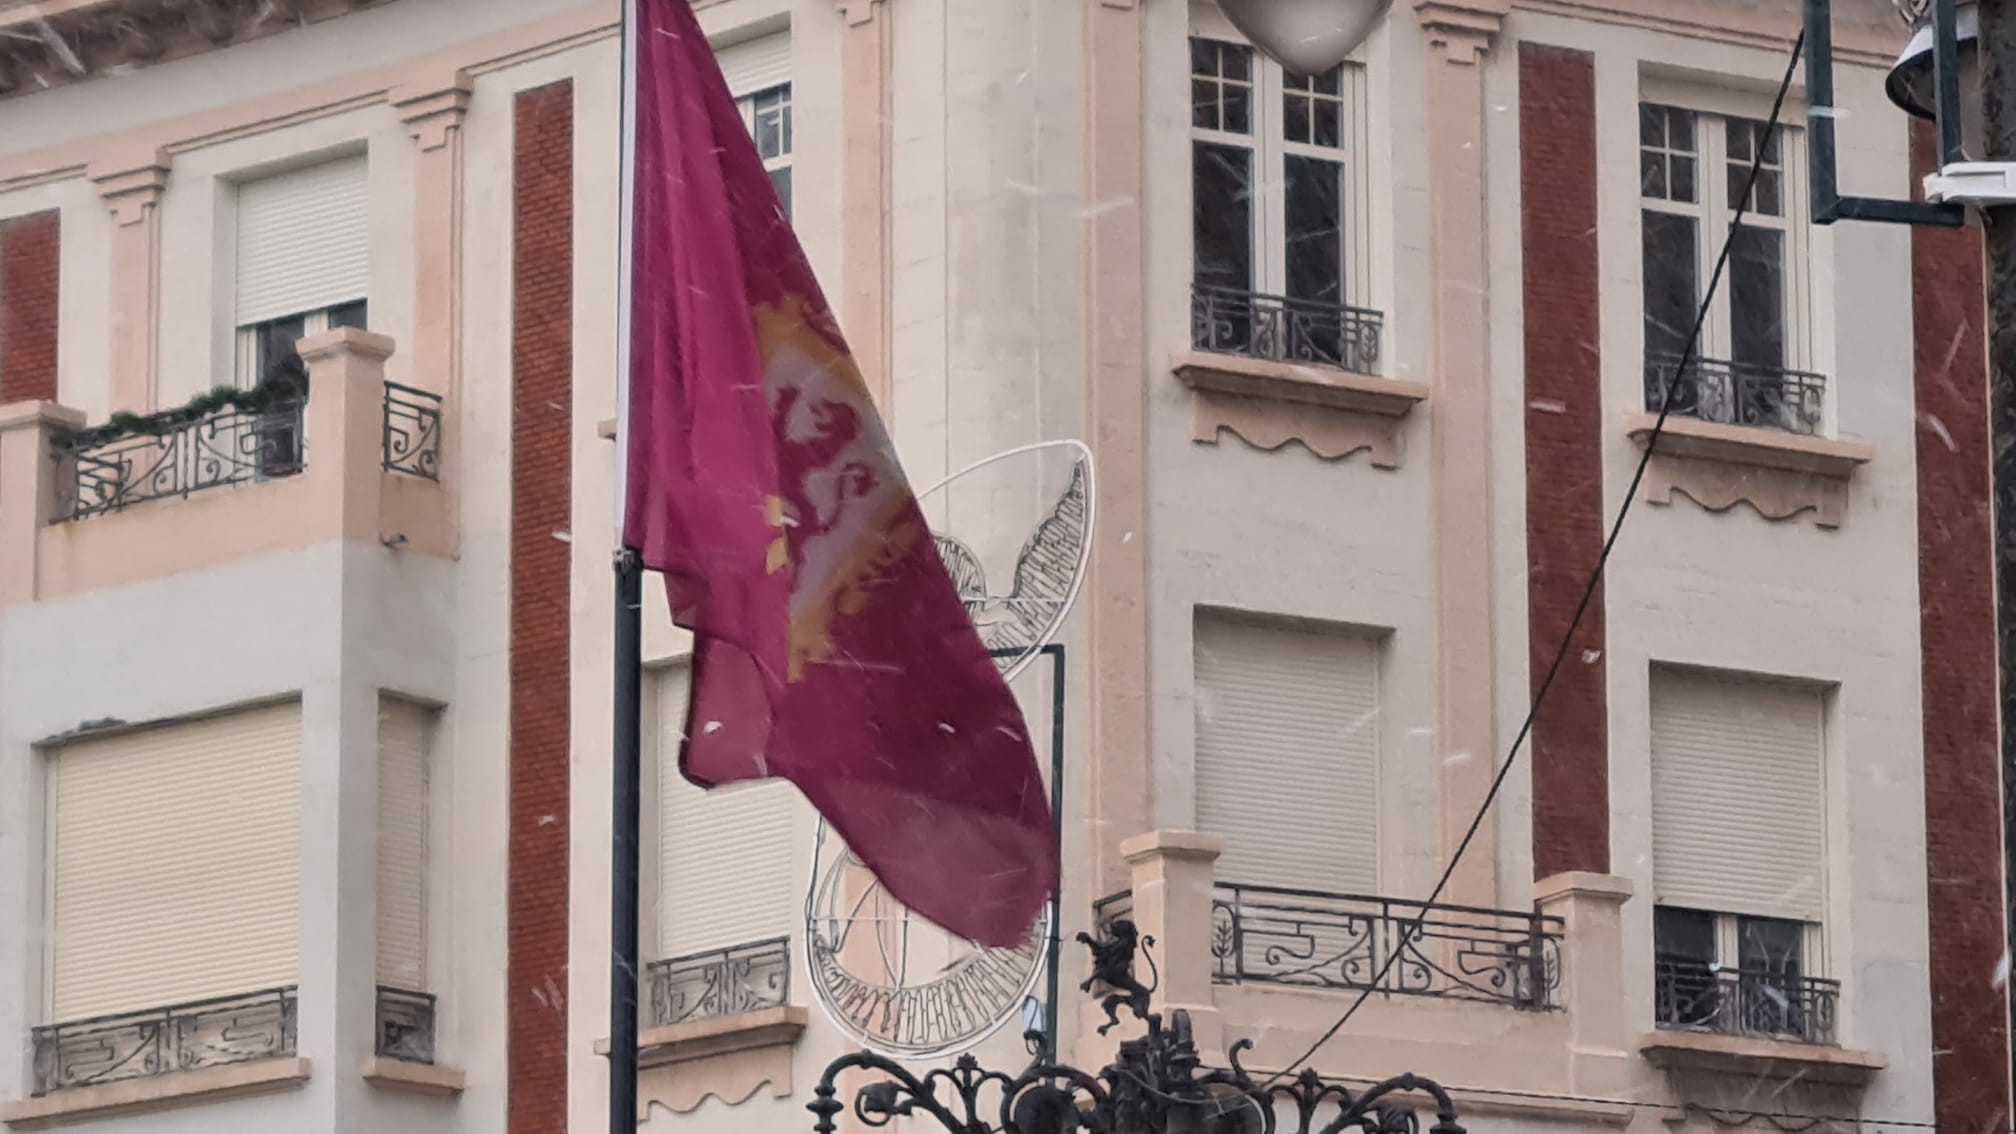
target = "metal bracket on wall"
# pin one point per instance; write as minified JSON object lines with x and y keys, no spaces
{"x":1829,"y":205}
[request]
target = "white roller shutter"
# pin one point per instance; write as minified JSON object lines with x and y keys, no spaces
{"x":404,"y":734}
{"x":1288,"y":754}
{"x":756,"y":64}
{"x":177,"y":863}
{"x":303,"y":240}
{"x":727,"y":856}
{"x":1737,"y":805}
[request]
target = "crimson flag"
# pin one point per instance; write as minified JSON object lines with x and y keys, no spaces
{"x":831,"y":647}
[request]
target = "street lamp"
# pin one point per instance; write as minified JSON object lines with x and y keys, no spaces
{"x":1308,"y":37}
{"x":1959,"y":71}
{"x":1921,"y":86}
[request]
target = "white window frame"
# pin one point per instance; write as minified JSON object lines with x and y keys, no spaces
{"x":1270,"y":148}
{"x":1729,"y":941}
{"x":746,"y":103}
{"x":1713,"y":210}
{"x":246,"y":373}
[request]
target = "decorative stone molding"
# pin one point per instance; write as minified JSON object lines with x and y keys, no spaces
{"x":1333,"y":413}
{"x":1779,"y":474}
{"x":53,"y":45}
{"x":434,"y":117}
{"x":133,"y":191}
{"x":161,"y":1092}
{"x":1462,"y":29}
{"x":1760,"y":1060}
{"x":858,"y":12}
{"x":729,"y":1058}
{"x":414,"y":1078}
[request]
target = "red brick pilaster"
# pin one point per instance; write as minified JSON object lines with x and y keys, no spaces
{"x":1956,"y":620}
{"x":542,"y":301}
{"x":1564,"y":455}
{"x":30,"y":265}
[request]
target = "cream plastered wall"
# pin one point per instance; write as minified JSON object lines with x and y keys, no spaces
{"x":1285,"y":532}
{"x":376,"y":618}
{"x":388,"y":622}
{"x":1787,"y":598}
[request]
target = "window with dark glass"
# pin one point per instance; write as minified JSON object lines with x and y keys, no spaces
{"x":1277,"y":201}
{"x":767,"y":114}
{"x":1750,"y":366}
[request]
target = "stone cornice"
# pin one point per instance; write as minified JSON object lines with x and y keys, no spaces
{"x":59,"y":42}
{"x":1462,"y":29}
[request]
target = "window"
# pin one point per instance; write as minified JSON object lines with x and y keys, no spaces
{"x":1754,"y":360}
{"x":1739,"y":855}
{"x":136,"y":926}
{"x":1288,"y":753}
{"x":767,"y":113}
{"x":726,"y":876}
{"x":302,"y":264}
{"x":405,"y":732}
{"x":1279,"y":209}
{"x":759,"y":74}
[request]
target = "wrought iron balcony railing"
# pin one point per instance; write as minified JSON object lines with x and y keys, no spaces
{"x":412,"y":431}
{"x":405,"y":1025}
{"x":722,"y":982}
{"x":1692,"y":996}
{"x":182,"y":1037}
{"x":1269,"y":935}
{"x":1232,"y":321}
{"x":1739,"y":393}
{"x":116,"y":470}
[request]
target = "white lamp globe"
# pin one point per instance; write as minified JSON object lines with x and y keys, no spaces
{"x":1308,"y":37}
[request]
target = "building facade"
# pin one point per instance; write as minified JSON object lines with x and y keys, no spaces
{"x":1366,"y":363}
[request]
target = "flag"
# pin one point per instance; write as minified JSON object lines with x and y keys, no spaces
{"x":831,"y":647}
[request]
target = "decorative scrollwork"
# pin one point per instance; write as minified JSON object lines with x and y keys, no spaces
{"x":1257,"y":325}
{"x":1155,"y":1085}
{"x":412,"y":443}
{"x":405,"y":1025}
{"x":182,"y":1037}
{"x":187,"y":455}
{"x":1268,"y":935}
{"x":720,"y":982}
{"x":1738,"y":393}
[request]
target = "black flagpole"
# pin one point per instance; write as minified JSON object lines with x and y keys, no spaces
{"x":628,"y":795}
{"x":626,"y":749}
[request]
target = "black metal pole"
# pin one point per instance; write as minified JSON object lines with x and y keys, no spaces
{"x":628,"y":798}
{"x":1052,"y":992}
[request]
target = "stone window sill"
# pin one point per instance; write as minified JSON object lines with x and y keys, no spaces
{"x":1333,"y":413}
{"x":1779,"y":474}
{"x":1759,"y":1058}
{"x":159,"y":1092}
{"x":730,"y":1058}
{"x":414,"y":1078}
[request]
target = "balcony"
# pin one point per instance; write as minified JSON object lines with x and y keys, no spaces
{"x":719,"y":983}
{"x":1271,"y":370}
{"x":179,"y":453}
{"x":1509,"y":1001}
{"x":1278,"y":329}
{"x":716,"y":1024}
{"x":183,"y":1037}
{"x":1691,"y":996}
{"x":233,"y":475}
{"x":1267,"y":935}
{"x":405,"y":1026}
{"x":1739,"y":393}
